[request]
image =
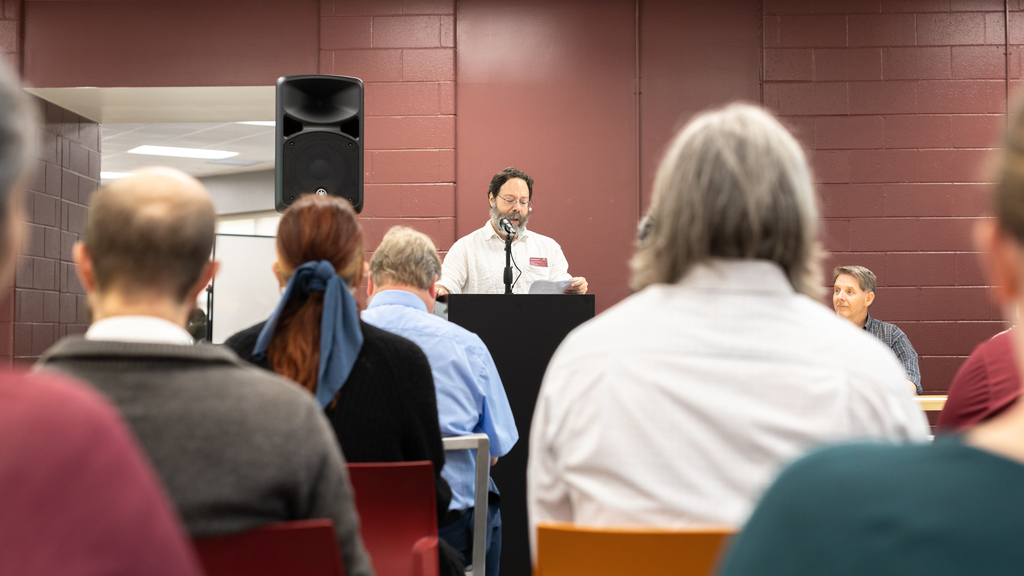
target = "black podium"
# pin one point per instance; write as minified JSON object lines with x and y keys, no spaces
{"x":521,"y":331}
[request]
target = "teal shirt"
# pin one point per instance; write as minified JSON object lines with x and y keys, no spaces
{"x":874,"y":509}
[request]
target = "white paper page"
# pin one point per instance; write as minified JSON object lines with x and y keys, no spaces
{"x":549,"y":287}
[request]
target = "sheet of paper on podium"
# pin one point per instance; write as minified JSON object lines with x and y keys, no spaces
{"x":549,"y":287}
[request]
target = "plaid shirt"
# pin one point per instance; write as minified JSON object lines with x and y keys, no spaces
{"x":895,"y":339}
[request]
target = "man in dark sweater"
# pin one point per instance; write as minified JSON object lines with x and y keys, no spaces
{"x":237,"y":447}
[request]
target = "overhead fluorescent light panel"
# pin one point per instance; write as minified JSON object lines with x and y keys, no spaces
{"x":201,"y":153}
{"x":114,"y":175}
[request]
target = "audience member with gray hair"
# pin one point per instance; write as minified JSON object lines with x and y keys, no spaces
{"x":470,"y":397}
{"x":76,"y":494}
{"x":678,"y":405}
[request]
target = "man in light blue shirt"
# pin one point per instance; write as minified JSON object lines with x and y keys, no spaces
{"x":470,"y":397}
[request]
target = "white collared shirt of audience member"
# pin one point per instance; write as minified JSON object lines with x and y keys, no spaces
{"x":680,"y":404}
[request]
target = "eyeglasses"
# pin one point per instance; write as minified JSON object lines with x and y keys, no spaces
{"x":524,"y":203}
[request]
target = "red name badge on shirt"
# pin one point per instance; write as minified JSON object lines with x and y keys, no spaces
{"x":539,"y":262}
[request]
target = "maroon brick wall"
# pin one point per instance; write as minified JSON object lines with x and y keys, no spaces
{"x":404,"y":51}
{"x":49,"y":303}
{"x":167,"y":42}
{"x":899,"y":104}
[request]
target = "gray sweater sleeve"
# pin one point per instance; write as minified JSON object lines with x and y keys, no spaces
{"x":330,"y":496}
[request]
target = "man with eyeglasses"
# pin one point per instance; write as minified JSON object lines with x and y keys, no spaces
{"x":475,"y":262}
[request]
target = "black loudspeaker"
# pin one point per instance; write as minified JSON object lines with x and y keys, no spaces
{"x":319,"y":138}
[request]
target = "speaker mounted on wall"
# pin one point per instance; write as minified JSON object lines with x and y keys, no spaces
{"x":319,"y":138}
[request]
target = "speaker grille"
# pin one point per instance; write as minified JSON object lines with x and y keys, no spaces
{"x":321,"y":161}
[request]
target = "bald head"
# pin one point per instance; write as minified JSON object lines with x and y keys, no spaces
{"x":151,"y":232}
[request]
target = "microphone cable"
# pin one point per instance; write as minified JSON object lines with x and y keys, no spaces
{"x":511,"y":253}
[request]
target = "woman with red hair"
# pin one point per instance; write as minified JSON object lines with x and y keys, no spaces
{"x":375,"y":387}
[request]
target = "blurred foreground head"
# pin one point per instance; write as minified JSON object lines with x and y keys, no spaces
{"x":17,"y":151}
{"x":733,"y":184}
{"x":1002,"y":240}
{"x":149,"y":235}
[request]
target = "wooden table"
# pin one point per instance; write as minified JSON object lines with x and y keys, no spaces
{"x":931,"y":402}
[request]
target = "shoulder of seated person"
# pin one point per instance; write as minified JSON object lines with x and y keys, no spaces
{"x":271,"y":392}
{"x":245,"y":338}
{"x":379,"y":340}
{"x":852,"y":467}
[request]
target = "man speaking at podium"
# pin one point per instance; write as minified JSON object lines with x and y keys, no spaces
{"x":475,"y":263}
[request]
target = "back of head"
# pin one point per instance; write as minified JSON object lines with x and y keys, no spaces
{"x":312,"y":229}
{"x":317,"y":228}
{"x":1008,"y":201}
{"x":18,"y":118}
{"x":151,"y":233}
{"x":405,"y":257}
{"x":733,"y":184}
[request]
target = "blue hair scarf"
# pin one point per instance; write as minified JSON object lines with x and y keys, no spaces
{"x":340,"y":335}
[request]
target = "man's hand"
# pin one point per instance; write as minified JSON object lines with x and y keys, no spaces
{"x":578,"y":286}
{"x":913,"y":387}
{"x":441,"y":291}
{"x":494,"y":460}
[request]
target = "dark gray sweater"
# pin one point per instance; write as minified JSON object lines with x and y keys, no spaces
{"x":237,"y":447}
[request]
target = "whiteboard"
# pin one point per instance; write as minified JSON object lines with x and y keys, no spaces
{"x":245,"y":290}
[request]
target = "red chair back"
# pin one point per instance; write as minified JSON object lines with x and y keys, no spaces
{"x":307,"y":547}
{"x":398,"y":512}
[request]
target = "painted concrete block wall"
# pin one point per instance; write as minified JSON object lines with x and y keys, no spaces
{"x":49,"y":302}
{"x":404,"y":51}
{"x":900,"y":105}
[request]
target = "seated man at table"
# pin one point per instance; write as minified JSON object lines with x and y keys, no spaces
{"x":853,"y":293}
{"x":470,"y":397}
{"x":237,"y":447}
{"x":475,"y":263}
{"x":678,"y":405}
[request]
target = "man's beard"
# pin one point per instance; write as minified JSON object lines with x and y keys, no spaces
{"x":496,"y":217}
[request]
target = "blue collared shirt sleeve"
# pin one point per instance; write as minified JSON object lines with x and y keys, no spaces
{"x":496,"y":418}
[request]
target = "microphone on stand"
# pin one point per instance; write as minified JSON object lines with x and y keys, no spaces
{"x":507,"y":226}
{"x":510,"y":231}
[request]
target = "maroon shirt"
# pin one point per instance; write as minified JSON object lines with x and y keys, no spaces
{"x":76,"y":495}
{"x":986,"y":384}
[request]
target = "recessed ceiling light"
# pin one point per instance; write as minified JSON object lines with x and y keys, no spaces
{"x":202,"y":153}
{"x":114,"y":175}
{"x":259,"y":123}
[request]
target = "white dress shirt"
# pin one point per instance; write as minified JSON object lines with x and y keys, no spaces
{"x":475,"y":264}
{"x":679,"y":405}
{"x":138,"y":329}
